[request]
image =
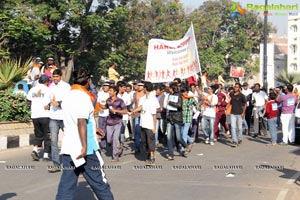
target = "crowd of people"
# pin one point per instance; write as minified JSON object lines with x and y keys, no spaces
{"x":150,"y":115}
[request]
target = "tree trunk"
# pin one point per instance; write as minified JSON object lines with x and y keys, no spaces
{"x":67,"y":70}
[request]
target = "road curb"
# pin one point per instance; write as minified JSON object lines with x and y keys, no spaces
{"x":15,"y":134}
{"x":15,"y":141}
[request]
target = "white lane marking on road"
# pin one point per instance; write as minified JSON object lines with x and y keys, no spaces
{"x":282,"y":194}
{"x":2,"y":161}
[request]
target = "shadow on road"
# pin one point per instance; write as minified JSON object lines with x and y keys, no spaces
{"x":84,"y":192}
{"x":7,"y":196}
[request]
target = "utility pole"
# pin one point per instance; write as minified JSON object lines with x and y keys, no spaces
{"x":265,"y":59}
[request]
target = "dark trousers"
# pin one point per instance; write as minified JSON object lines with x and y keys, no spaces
{"x":220,"y":118}
{"x":195,"y":127}
{"x":93,"y":173}
{"x":147,"y":140}
{"x":41,"y":133}
{"x":102,"y":125}
{"x":248,"y":116}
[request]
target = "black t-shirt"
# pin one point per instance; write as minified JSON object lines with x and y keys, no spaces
{"x":237,"y":102}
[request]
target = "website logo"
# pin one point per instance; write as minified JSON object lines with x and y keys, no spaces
{"x":236,"y":10}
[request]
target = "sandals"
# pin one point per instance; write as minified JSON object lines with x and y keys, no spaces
{"x":170,"y":158}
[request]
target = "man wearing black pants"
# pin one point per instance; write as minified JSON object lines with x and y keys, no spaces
{"x":40,"y":97}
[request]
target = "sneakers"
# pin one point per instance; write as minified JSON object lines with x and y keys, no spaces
{"x":169,"y":158}
{"x":54,"y":169}
{"x":274,"y":143}
{"x":212,"y":143}
{"x":150,"y":162}
{"x":207,"y":141}
{"x":283,"y":143}
{"x":227,"y":135}
{"x":234,"y":144}
{"x":35,"y":156}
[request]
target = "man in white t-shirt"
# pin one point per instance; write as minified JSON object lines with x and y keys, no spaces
{"x":209,"y":115}
{"x":58,"y":89}
{"x":80,"y":149}
{"x":148,"y":106}
{"x":40,"y":98}
{"x":103,"y":95}
{"x":259,"y":100}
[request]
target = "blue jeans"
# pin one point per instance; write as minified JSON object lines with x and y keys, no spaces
{"x":185,"y":133}
{"x":208,"y":121}
{"x":170,"y":137}
{"x":159,"y":125}
{"x":54,"y":126}
{"x":93,"y":173}
{"x":236,"y":127}
{"x":272,"y":128}
{"x":137,"y":136}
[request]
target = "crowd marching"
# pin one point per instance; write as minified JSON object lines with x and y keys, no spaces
{"x":150,"y":115}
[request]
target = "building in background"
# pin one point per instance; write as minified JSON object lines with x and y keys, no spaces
{"x":293,"y":63}
{"x":277,"y":51}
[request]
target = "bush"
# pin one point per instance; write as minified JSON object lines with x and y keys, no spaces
{"x":13,"y":107}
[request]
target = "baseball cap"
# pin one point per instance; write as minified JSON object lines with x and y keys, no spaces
{"x":140,"y":84}
{"x":112,"y":82}
{"x":106,"y":83}
{"x":44,"y":78}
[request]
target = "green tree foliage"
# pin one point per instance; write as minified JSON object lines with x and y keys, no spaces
{"x":93,"y":33}
{"x":226,"y":41}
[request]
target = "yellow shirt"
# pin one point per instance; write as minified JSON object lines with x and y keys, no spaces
{"x":113,"y":74}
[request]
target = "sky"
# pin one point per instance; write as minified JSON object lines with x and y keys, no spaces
{"x":280,"y":22}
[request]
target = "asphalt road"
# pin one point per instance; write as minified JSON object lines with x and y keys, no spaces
{"x":254,"y":170}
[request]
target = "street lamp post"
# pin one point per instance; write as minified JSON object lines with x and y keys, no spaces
{"x":265,"y":58}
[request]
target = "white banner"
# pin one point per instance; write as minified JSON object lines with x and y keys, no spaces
{"x":167,"y":60}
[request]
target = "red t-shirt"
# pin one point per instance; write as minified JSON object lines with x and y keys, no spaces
{"x":271,"y":109}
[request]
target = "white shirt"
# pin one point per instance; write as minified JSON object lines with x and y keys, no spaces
{"x":78,"y":104}
{"x":40,"y":97}
{"x":210,"y":110}
{"x":102,"y":97}
{"x":127,"y":100}
{"x":246,"y":93}
{"x":58,"y":93}
{"x":149,"y":107}
{"x":260,"y":98}
{"x":203,"y":81}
